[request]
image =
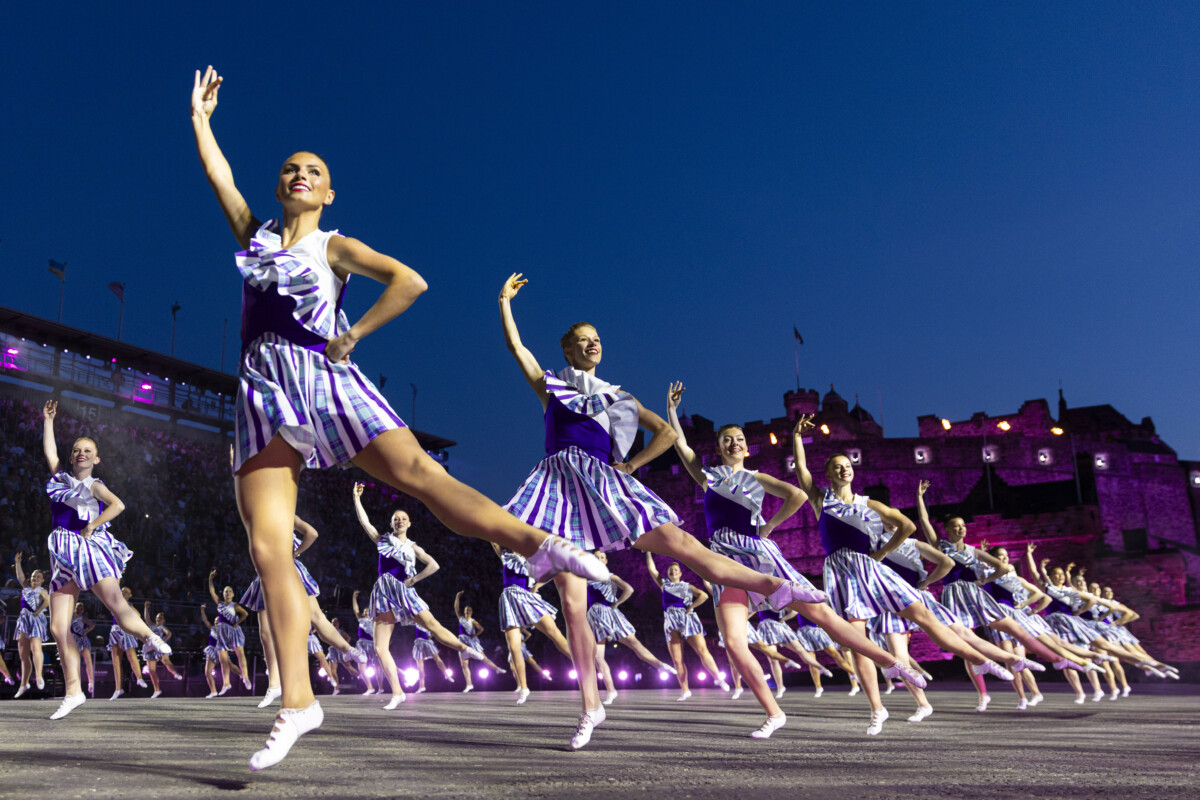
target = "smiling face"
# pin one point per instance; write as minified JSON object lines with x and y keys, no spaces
{"x":1001,"y":554}
{"x":581,"y":347}
{"x":304,"y":182}
{"x":1108,"y":593}
{"x":36,"y":578}
{"x":731,"y":445}
{"x":601,"y":555}
{"x":79,"y":609}
{"x":1057,"y":576}
{"x":674,"y":573}
{"x":1079,"y":583}
{"x":400,"y":522}
{"x":227,"y":594}
{"x":85,"y":455}
{"x":839,"y":471}
{"x":956,"y":529}
{"x":160,"y":619}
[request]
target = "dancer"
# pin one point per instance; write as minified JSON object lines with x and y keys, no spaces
{"x":520,"y":608}
{"x":122,"y":643}
{"x":31,"y":625}
{"x":85,"y":554}
{"x":525,"y":657}
{"x":608,"y":624}
{"x":680,"y":623}
{"x":152,"y":655}
{"x":469,"y":629}
{"x":296,"y":344}
{"x":230,"y":636}
{"x":3,"y":627}
{"x":337,"y":659}
{"x":366,"y":643}
{"x":323,"y":668}
{"x":812,"y":639}
{"x":860,"y":587}
{"x":393,"y":600}
{"x":424,"y":648}
{"x":733,"y":499}
{"x":1122,"y":635}
{"x":212,"y":657}
{"x":81,"y":627}
{"x":584,"y":489}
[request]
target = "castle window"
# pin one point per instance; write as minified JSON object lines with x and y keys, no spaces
{"x":855,"y":456}
{"x":1101,"y":461}
{"x":1045,"y":456}
{"x":990,"y":454}
{"x":791,"y":466}
{"x":922,"y":455}
{"x":1196,"y":480}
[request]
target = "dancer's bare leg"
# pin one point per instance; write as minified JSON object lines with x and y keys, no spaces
{"x":512,"y":638}
{"x":731,"y":619}
{"x":62,"y":608}
{"x":572,"y":590}
{"x":384,"y":625}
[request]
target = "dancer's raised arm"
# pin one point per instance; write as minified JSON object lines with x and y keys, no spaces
{"x":361,"y":512}
{"x":458,"y":603}
{"x":653,"y":569}
{"x":216,"y":168}
{"x":691,"y":462}
{"x":204,"y":617}
{"x":533,"y":373}
{"x":308,"y":535}
{"x":49,"y":446}
{"x":146,"y":614}
{"x":19,"y":571}
{"x":212,"y":591}
{"x":354,"y":603}
{"x":923,"y":514}
{"x":803,"y":476}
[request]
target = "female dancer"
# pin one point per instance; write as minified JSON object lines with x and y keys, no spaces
{"x":1121,"y":634}
{"x":253,"y":600}
{"x":366,"y":643}
{"x":975,"y":608}
{"x":3,"y":627}
{"x":860,"y":587}
{"x":31,"y":625}
{"x":812,"y":640}
{"x":680,"y":623}
{"x":296,"y":344}
{"x":525,"y":657}
{"x":81,"y":626}
{"x":424,"y":648}
{"x":733,"y":501}
{"x":212,"y":657}
{"x":393,"y":600}
{"x":522,"y":607}
{"x":84,"y":552}
{"x":152,"y":655}
{"x":469,"y":629}
{"x":230,"y":636}
{"x":323,"y":668}
{"x":121,"y":643}
{"x":585,"y":490}
{"x":336,"y":658}
{"x":608,"y":624}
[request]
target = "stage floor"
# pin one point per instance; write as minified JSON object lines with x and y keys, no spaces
{"x":481,"y":745}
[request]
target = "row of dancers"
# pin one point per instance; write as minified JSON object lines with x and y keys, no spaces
{"x":302,"y":404}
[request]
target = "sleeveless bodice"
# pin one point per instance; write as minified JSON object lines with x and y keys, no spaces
{"x":515,"y":569}
{"x":966,"y":565}
{"x":676,"y":593}
{"x":585,"y":412}
{"x":396,"y":556}
{"x":72,"y":505}
{"x":602,"y":593}
{"x":848,"y":525}
{"x":227,"y":613}
{"x":31,"y":598}
{"x":733,"y":501}
{"x":906,"y":562}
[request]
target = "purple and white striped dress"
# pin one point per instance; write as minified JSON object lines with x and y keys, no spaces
{"x":79,"y":633}
{"x":29,"y":624}
{"x":467,"y":635}
{"x":366,"y":636}
{"x":607,"y":622}
{"x":149,"y":651}
{"x":733,"y":511}
{"x":84,"y":561}
{"x":1060,"y":615}
{"x":1009,"y":592}
{"x":1118,"y":633}
{"x":424,"y":647}
{"x":211,"y":653}
{"x":314,"y":644}
{"x":230,"y":635}
{"x":291,"y":308}
{"x":118,"y":638}
{"x":573,"y":492}
{"x":859,"y":587}
{"x":773,"y":630}
{"x":812,"y":637}
{"x":519,"y":607}
{"x":397,"y":563}
{"x":906,"y":562}
{"x":253,"y":600}
{"x":974,"y":607}
{"x":676,"y":597}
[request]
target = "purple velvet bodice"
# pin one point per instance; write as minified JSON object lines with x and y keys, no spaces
{"x":722,"y":513}
{"x":566,"y":428}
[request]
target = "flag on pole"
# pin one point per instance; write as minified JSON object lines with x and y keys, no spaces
{"x":58,"y":270}
{"x":796,"y":333}
{"x":118,"y":289}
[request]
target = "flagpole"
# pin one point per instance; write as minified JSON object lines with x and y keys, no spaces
{"x":61,"y":291}
{"x":796,"y":348}
{"x":121,"y":316}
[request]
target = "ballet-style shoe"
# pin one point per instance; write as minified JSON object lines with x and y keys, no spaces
{"x":224,"y":689}
{"x":1114,"y":694}
{"x":1080,"y":700}
{"x":737,"y":693}
{"x":142,"y":684}
{"x":470,"y":652}
{"x":1022,"y":704}
{"x":770,"y":726}
{"x":273,"y":694}
{"x":921,"y":713}
{"x":117,"y":694}
{"x":667,"y":668}
{"x":854,"y":690}
{"x":24,"y":688}
{"x":396,"y":700}
{"x":290,"y":725}
{"x":983,"y":703}
{"x":369,"y":690}
{"x":357,"y":655}
{"x":891,"y":687}
{"x":1125,"y":692}
{"x":69,"y":704}
{"x":877,"y":719}
{"x":420,"y":689}
{"x":41,"y":684}
{"x":791,"y":592}
{"x":1037,"y":698}
{"x":500,"y":671}
{"x":686,"y":694}
{"x":1097,"y":695}
{"x":992,"y":668}
{"x":779,"y":692}
{"x":824,"y":672}
{"x":336,"y":691}
{"x":588,"y":720}
{"x":211,"y":695}
{"x":157,"y":693}
{"x":156,"y":641}
{"x":610,"y":697}
{"x":468,"y":688}
{"x":898,"y":671}
{"x":555,"y":554}
{"x":522,"y":696}
{"x":820,"y":690}
{"x":721,"y":682}
{"x":792,"y":665}
{"x":1025,"y":663}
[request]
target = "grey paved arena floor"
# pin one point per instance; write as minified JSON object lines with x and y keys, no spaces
{"x":483,"y":746}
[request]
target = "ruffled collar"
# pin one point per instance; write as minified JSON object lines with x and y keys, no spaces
{"x":393,"y":546}
{"x":616,"y":411}
{"x":65,"y":488}
{"x":741,"y":486}
{"x":268,"y":265}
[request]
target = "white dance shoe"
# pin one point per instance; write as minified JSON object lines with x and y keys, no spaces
{"x":273,"y":694}
{"x":922,"y":713}
{"x":877,"y":719}
{"x":69,"y":704}
{"x":290,"y":725}
{"x":770,"y":726}
{"x":791,"y":592}
{"x":588,"y":720}
{"x":555,"y":554}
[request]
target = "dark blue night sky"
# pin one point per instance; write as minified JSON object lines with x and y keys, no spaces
{"x":956,"y":204}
